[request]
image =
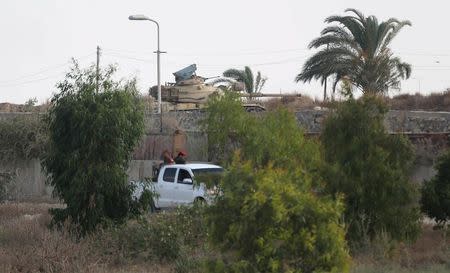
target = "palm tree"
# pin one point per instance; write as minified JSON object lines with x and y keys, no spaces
{"x":357,"y":49}
{"x":251,"y":85}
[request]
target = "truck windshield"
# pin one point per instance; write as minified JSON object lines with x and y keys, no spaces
{"x":209,"y":176}
{"x":207,"y":171}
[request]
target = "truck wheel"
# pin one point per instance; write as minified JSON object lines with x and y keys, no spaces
{"x":152,"y":208}
{"x":199,"y":202}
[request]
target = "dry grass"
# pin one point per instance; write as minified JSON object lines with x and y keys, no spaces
{"x":27,"y":245}
{"x":291,"y":103}
{"x":432,"y":102}
{"x":439,"y":101}
{"x":430,"y":253}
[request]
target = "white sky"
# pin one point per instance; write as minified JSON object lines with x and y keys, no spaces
{"x":40,"y":36}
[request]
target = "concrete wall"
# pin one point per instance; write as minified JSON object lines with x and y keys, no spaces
{"x":29,"y":180}
{"x":428,"y":131}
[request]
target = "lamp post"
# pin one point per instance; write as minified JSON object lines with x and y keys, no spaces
{"x":158,"y":53}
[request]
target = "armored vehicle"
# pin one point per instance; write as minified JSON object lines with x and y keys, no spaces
{"x":190,"y":92}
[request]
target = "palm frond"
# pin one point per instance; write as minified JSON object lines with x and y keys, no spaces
{"x":360,"y":15}
{"x":260,"y":81}
{"x":257,"y":81}
{"x":248,"y":80}
{"x":238,"y":75}
{"x":222,"y":80}
{"x":396,"y":26}
{"x":357,"y":51}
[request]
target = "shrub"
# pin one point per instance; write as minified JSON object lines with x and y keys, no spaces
{"x":224,"y":123}
{"x":271,"y":215}
{"x":273,"y":137}
{"x":435,"y":199}
{"x":370,"y":167}
{"x":276,"y":223}
{"x":166,"y":236}
{"x":91,"y":138}
{"x":21,"y":138}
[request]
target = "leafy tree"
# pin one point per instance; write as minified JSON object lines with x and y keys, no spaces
{"x":224,"y":123}
{"x":251,"y":84}
{"x":21,"y":138}
{"x":272,"y":215}
{"x":435,"y":199}
{"x":370,"y":167}
{"x":230,"y":127}
{"x":30,"y":104}
{"x":356,"y":49}
{"x":91,"y":137}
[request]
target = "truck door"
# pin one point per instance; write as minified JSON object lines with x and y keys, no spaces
{"x":184,"y":188}
{"x":166,"y":187}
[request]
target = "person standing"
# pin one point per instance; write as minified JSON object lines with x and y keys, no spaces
{"x":181,"y":158}
{"x":167,"y":158}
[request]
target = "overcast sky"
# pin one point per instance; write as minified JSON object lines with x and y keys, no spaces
{"x":40,"y":36}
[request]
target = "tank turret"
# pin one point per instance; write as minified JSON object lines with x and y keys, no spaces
{"x":190,"y":92}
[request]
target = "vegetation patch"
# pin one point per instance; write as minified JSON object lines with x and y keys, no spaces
{"x":93,"y":129}
{"x":370,"y":168}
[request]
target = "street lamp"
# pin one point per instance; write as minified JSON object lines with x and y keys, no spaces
{"x":158,"y":53}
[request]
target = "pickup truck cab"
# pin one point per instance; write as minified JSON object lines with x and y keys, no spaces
{"x":175,"y":184}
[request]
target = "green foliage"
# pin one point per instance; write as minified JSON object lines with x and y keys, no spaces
{"x":274,"y":137}
{"x":275,"y":222}
{"x":224,"y":123}
{"x":29,"y":104}
{"x":21,"y":138}
{"x":91,"y":137}
{"x":370,"y":167}
{"x":271,"y":215}
{"x":356,"y":48}
{"x":435,"y":199}
{"x":245,"y":76}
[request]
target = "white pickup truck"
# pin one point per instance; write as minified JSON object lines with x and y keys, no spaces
{"x":175,"y":184}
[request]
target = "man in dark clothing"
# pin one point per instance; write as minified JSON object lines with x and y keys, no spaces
{"x":180,"y":159}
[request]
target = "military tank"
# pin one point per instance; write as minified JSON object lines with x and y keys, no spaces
{"x":190,"y":92}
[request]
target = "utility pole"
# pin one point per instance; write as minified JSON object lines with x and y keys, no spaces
{"x":97,"y":74}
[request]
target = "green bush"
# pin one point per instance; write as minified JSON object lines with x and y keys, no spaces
{"x":91,"y":138}
{"x":271,"y":215}
{"x":225,"y":124}
{"x":370,"y":167}
{"x":274,"y":222}
{"x":274,"y":137}
{"x":21,"y":138}
{"x":435,"y":199}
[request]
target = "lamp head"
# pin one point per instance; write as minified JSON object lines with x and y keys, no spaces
{"x":138,"y":17}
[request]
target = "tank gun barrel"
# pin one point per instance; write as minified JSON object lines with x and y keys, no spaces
{"x":270,"y":95}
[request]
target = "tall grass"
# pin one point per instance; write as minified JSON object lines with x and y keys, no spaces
{"x":173,"y":241}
